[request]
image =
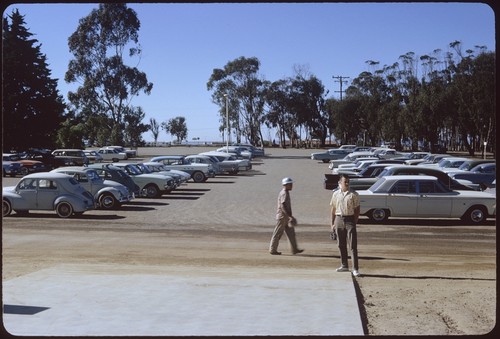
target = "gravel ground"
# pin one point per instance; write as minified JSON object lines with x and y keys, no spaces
{"x":419,"y":277}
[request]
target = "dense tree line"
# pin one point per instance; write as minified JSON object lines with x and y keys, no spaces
{"x":435,"y":102}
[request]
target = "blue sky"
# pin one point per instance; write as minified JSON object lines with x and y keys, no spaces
{"x":183,"y":43}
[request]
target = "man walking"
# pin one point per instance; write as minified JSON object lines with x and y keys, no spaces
{"x":345,"y":214}
{"x":284,"y":220}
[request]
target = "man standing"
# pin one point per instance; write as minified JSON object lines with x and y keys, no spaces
{"x":284,"y":220}
{"x":345,"y":214}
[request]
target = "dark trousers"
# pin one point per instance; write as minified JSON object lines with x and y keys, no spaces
{"x":346,"y":233}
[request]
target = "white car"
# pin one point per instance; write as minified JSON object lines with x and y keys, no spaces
{"x":351,"y":157}
{"x":199,"y":172}
{"x":130,"y":152}
{"x":230,"y":158}
{"x":422,"y":196}
{"x":111,"y":154}
{"x":93,"y":156}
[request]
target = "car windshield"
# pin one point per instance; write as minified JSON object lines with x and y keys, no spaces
{"x":376,"y":185}
{"x":466,"y":166}
{"x":132,"y":169}
{"x":93,"y":176}
{"x":144,"y":169}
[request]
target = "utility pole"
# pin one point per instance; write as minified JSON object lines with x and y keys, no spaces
{"x":341,"y":80}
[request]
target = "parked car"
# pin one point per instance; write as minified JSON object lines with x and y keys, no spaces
{"x":356,"y":165}
{"x":27,"y":165}
{"x":147,"y":170}
{"x":158,"y":167}
{"x":351,"y":157}
{"x":150,"y":185}
{"x":93,"y":156}
{"x":198,"y":172}
{"x":111,"y":154}
{"x":11,"y":168}
{"x":413,"y":156}
{"x":240,"y":152}
{"x":205,"y":159}
{"x":388,"y":153}
{"x":110,"y":172}
{"x":469,"y":164}
{"x":47,"y":191}
{"x":228,"y":158}
{"x":331,"y":154}
{"x":107,"y":193}
{"x":256,"y":151}
{"x":483,"y":175}
{"x":428,"y":159}
{"x":75,"y":157}
{"x":423,"y":197}
{"x":358,"y":180}
{"x":130,"y":152}
{"x":447,"y":163}
{"x":48,"y":159}
{"x":219,"y":166}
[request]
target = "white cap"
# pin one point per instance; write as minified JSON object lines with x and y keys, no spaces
{"x":286,"y":181}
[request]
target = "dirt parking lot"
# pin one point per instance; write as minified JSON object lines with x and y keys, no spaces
{"x":419,"y":277}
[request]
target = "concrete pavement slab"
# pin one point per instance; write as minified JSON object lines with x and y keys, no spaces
{"x":114,"y":300}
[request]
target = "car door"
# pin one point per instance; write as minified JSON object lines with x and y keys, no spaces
{"x":403,"y":199}
{"x":434,"y":199}
{"x":47,"y":193}
{"x":28,"y":191}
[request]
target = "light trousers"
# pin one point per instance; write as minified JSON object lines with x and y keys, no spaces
{"x":282,"y":227}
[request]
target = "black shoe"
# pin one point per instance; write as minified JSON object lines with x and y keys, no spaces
{"x":298,"y":251}
{"x":275,"y":253}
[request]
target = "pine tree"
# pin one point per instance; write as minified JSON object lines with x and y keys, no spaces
{"x":32,"y":108}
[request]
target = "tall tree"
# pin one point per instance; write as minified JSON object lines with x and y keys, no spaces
{"x":154,"y":126}
{"x":176,"y":126}
{"x":32,"y":108}
{"x":100,"y":45}
{"x":239,"y":80}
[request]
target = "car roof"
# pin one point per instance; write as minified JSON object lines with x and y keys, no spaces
{"x":410,"y":177}
{"x":47,"y":175}
{"x":168,"y":157}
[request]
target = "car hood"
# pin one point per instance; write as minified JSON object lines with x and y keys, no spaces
{"x":9,"y":189}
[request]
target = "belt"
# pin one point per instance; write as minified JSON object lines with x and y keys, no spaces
{"x":345,"y":216}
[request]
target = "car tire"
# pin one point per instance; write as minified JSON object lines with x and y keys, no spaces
{"x":152,"y":191}
{"x":198,"y":176}
{"x":475,"y":215}
{"x":64,"y":209}
{"x":115,"y":160}
{"x":6,"y":207}
{"x":325,"y":161}
{"x":107,"y":201}
{"x":24,"y":171}
{"x":378,"y":215}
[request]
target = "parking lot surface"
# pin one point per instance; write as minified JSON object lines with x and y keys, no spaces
{"x":196,"y":262}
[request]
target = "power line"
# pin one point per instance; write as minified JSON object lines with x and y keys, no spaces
{"x":340,"y":79}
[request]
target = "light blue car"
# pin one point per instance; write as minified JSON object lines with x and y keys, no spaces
{"x":47,"y":191}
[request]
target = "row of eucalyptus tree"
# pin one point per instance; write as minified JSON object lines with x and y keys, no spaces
{"x":445,"y":100}
{"x":438,"y":101}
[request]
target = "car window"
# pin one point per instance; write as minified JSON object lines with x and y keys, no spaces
{"x":93,"y":175}
{"x":404,"y":186}
{"x":27,"y":184}
{"x":46,"y":184}
{"x":80,"y":177}
{"x":426,"y":187}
